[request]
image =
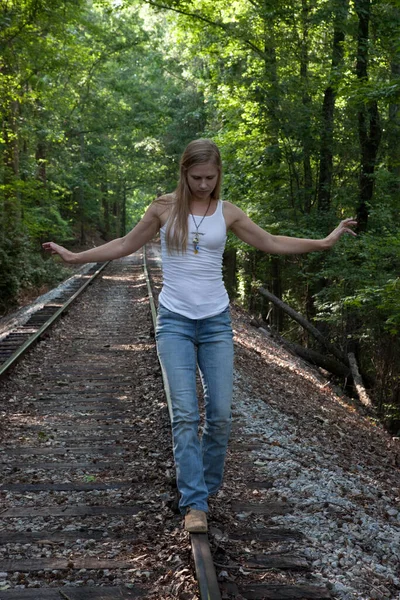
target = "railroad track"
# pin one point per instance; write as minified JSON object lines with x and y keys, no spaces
{"x":203,"y":561}
{"x":87,"y":473}
{"x":19,"y":339}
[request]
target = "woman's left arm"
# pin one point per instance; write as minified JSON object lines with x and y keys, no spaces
{"x":252,"y":234}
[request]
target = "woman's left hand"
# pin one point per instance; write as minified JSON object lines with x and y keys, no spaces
{"x":343,"y":227}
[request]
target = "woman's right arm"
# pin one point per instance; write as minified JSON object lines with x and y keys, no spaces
{"x":142,"y":233}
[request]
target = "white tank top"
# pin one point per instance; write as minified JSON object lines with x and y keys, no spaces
{"x":192,"y":283}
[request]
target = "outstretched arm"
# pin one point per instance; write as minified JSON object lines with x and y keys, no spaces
{"x":252,"y":234}
{"x":142,"y":233}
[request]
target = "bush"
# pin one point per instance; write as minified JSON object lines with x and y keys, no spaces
{"x":22,"y":267}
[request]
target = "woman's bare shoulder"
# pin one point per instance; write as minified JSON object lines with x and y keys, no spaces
{"x":165,"y":198}
{"x":162,"y":206}
{"x":231,"y":213}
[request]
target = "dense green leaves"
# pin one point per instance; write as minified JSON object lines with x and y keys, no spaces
{"x":90,"y":103}
{"x":304,"y":102}
{"x":99,"y":97}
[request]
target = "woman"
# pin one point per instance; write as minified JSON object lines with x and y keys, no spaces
{"x":193,"y":326}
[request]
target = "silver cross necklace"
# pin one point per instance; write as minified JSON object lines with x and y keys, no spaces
{"x":196,"y":238}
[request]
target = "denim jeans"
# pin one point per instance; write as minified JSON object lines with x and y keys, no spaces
{"x":183,"y":344}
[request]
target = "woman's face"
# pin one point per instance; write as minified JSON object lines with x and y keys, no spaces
{"x":202,"y":180}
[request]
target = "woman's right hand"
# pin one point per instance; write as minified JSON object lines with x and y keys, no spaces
{"x":65,"y":254}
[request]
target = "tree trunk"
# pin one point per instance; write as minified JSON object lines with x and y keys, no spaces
{"x":320,"y":360}
{"x":81,"y":192}
{"x":328,"y":109}
{"x":393,"y":132}
{"x":270,"y":94}
{"x":41,"y":162}
{"x":277,"y":313}
{"x":116,"y":214}
{"x":358,"y":383}
{"x":308,"y":326}
{"x":306,"y":138}
{"x":247,"y":279}
{"x":253,"y":303}
{"x":106,"y":210}
{"x":230,"y":271}
{"x":315,"y":358}
{"x":369,"y":127}
{"x":123,"y":211}
{"x":12,"y":205}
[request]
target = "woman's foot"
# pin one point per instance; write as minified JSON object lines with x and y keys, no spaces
{"x":196,"y":521}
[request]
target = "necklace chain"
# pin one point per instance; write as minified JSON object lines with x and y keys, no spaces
{"x":196,"y":239}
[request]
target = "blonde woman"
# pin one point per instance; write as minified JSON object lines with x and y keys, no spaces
{"x":193,"y":326}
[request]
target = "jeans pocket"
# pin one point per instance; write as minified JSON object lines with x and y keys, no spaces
{"x":162,"y":313}
{"x":169,"y":321}
{"x":225,"y":317}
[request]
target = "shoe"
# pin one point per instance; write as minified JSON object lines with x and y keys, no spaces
{"x":195,"y":521}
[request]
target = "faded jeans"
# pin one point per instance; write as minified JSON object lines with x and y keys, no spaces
{"x":183,"y":344}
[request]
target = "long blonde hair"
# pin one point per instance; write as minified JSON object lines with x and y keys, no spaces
{"x":197,"y":152}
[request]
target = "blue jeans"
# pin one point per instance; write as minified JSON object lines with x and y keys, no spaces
{"x":183,"y":344}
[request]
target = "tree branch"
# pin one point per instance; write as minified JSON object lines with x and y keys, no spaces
{"x":255,"y":4}
{"x":90,"y":73}
{"x":358,"y":384}
{"x":306,"y":324}
{"x":316,"y":358}
{"x":225,"y":26}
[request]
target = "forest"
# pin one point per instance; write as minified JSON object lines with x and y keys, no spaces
{"x":98,"y":98}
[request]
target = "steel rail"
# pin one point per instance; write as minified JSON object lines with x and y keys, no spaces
{"x":15,"y":357}
{"x":203,"y":562}
{"x":205,"y":571}
{"x":149,"y":290}
{"x":154,"y":319}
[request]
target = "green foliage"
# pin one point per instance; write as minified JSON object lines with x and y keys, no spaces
{"x":9,"y":271}
{"x":90,"y":102}
{"x":23,"y":267}
{"x":378,"y":304}
{"x":99,"y":98}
